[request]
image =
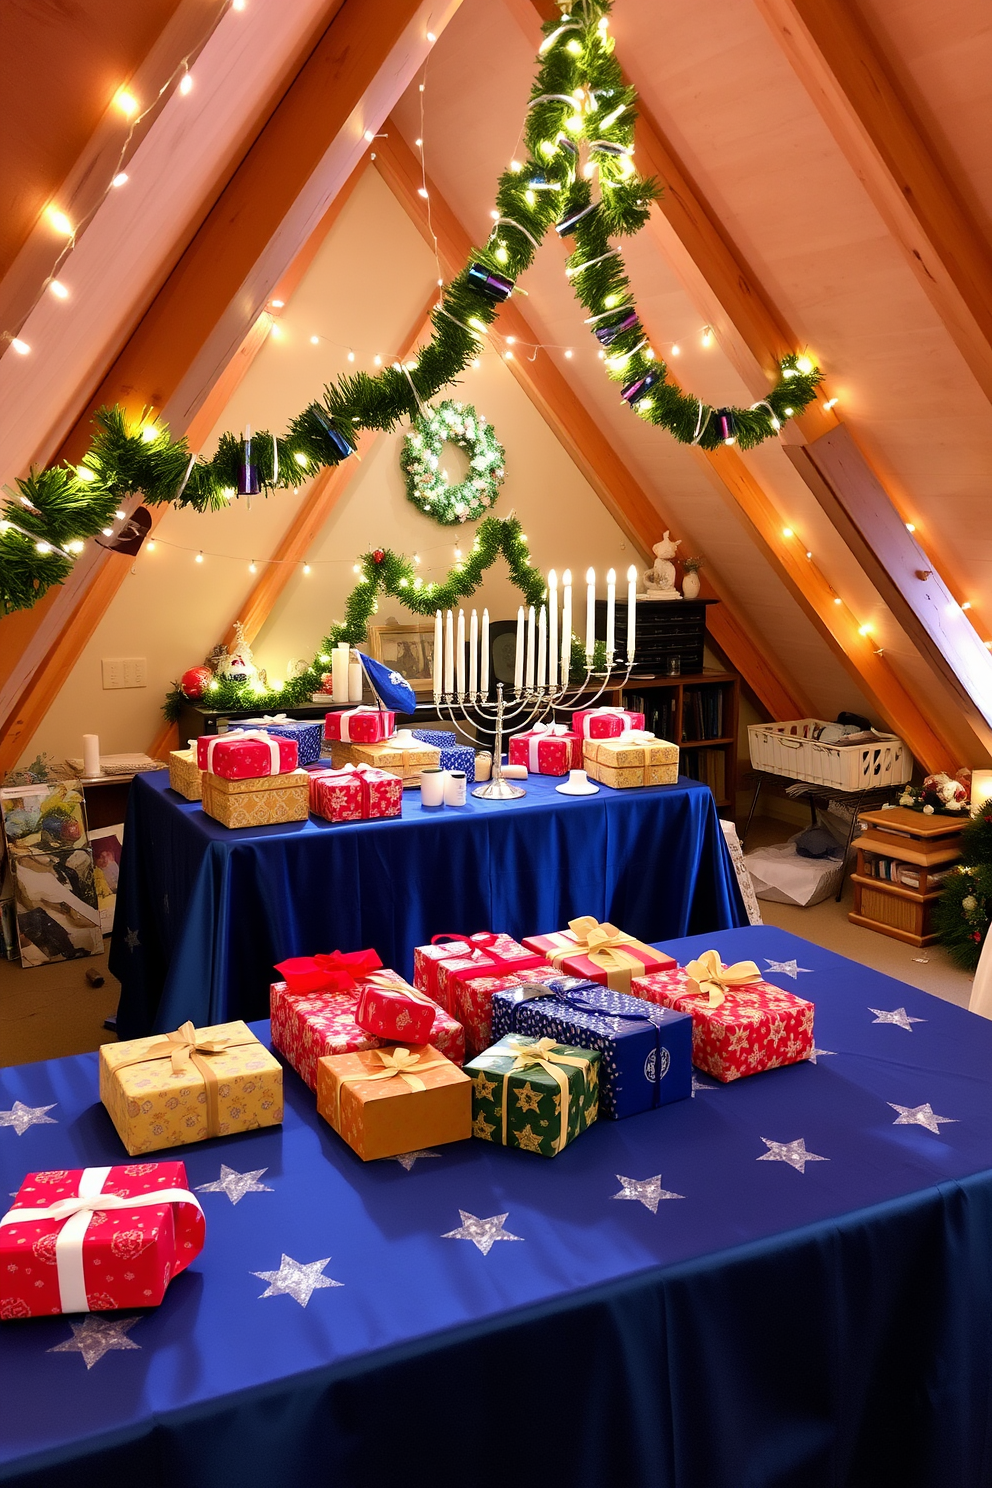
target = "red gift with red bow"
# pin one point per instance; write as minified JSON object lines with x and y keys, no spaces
{"x":355,"y":793}
{"x":467,"y":973}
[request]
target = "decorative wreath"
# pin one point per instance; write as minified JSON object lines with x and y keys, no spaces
{"x":427,"y":482}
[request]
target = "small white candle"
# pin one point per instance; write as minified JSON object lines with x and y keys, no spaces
{"x":529,"y":668}
{"x":340,"y":658}
{"x":473,"y":655}
{"x":542,"y":648}
{"x":449,"y":654}
{"x":566,"y":626}
{"x":355,"y":680}
{"x":611,"y":606}
{"x":553,"y":629}
{"x":438,"y":653}
{"x":518,"y":657}
{"x":91,"y":755}
{"x":484,"y":682}
{"x":460,"y":654}
{"x":590,"y":613}
{"x":631,"y":612}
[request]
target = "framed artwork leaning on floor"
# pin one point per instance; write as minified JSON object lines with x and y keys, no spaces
{"x":56,"y":910}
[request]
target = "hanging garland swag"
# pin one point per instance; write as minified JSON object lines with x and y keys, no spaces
{"x":427,"y":482}
{"x":578,"y":177}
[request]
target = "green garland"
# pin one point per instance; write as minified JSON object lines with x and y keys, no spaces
{"x":427,"y":484}
{"x":963,"y":912}
{"x":385,"y":572}
{"x":580,"y":118}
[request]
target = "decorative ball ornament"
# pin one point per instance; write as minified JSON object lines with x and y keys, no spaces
{"x":194,"y":683}
{"x":969,"y":903}
{"x":378,"y":554}
{"x":427,"y":482}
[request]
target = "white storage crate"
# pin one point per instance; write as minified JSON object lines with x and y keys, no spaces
{"x":790,"y":749}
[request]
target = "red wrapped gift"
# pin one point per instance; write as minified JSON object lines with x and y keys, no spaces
{"x":392,"y":1012}
{"x":427,"y":959}
{"x":600,"y":952}
{"x":97,"y":1239}
{"x":605,"y":723}
{"x":355,"y":793}
{"x":547,"y":749}
{"x":741,"y":1025}
{"x":465,"y":984}
{"x":365,"y":725}
{"x":245,"y":754}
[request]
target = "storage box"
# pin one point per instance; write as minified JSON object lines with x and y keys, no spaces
{"x":123,"y":1254}
{"x":754,"y":1026}
{"x":395,"y":1099}
{"x":261,"y":802}
{"x":631,"y":760}
{"x":362,"y":725}
{"x":547,"y":749}
{"x":599,"y":953}
{"x":533,"y":1094}
{"x":792,"y":749}
{"x":645,"y":1051}
{"x":172,"y":1089}
{"x":605,"y":723}
{"x":185,"y":775}
{"x":245,"y":754}
{"x":407,"y":763}
{"x":355,"y":793}
{"x":308,"y":734}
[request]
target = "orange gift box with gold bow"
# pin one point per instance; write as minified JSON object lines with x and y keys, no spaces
{"x":741,"y":1024}
{"x":172,"y":1089}
{"x":384,"y":1102}
{"x":599,"y":952}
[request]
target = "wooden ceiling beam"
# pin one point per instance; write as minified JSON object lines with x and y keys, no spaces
{"x":580,"y":436}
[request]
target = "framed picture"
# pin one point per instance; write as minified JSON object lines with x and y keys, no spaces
{"x":407,"y":649}
{"x":56,"y":912}
{"x":106,"y":843}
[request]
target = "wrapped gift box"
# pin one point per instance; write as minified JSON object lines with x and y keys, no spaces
{"x":406,"y":762}
{"x":464,"y":984}
{"x":262,"y":802}
{"x":395,"y":1099}
{"x":355,"y":793}
{"x":645,"y":1051}
{"x":633,"y":759}
{"x":121,"y":1255}
{"x":534,"y":1094}
{"x":599,"y":953}
{"x":427,"y":958}
{"x":755,"y":1027}
{"x":185,"y":775}
{"x":605,"y":723}
{"x":547,"y":749}
{"x":391,"y":1012}
{"x":439,"y":738}
{"x":307,"y":732}
{"x":363,"y":725}
{"x":168,"y":1090}
{"x":243,"y":754}
{"x":307,"y":1026}
{"x":459,"y":757}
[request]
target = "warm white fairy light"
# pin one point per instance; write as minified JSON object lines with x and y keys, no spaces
{"x":306,"y":568}
{"x":199,"y":558}
{"x":21,"y":347}
{"x":185,"y":84}
{"x":58,"y":289}
{"x":422,"y":191}
{"x":149,"y":546}
{"x":60,"y":221}
{"x":278,"y":304}
{"x":121,"y":179}
{"x":107,"y":531}
{"x":787,"y":532}
{"x":910,"y":526}
{"x":707,"y":337}
{"x":314,"y":340}
{"x":377,"y":360}
{"x":126,"y":102}
{"x":676,"y":351}
{"x":120,"y":515}
{"x":831,"y":403}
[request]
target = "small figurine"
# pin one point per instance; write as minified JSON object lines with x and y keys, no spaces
{"x":659,"y":581}
{"x":238,"y":664}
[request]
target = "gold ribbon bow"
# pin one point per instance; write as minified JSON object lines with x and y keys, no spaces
{"x":185,"y":1047}
{"x":384,"y":984}
{"x":708,"y":977}
{"x":401,"y":1064}
{"x":541,"y":1052}
{"x":603,"y":944}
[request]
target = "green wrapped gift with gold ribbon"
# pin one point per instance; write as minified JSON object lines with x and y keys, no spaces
{"x":533,"y":1093}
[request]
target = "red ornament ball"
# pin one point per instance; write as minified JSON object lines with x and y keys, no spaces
{"x":194,"y":682}
{"x":378,"y":555}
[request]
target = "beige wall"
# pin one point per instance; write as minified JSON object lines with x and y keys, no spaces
{"x":363,"y":291}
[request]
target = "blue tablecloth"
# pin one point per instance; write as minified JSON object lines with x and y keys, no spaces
{"x":825,"y":1325}
{"x":203,"y":913}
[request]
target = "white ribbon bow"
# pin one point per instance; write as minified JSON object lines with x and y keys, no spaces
{"x":242,"y":735}
{"x":635,"y":736}
{"x":269,"y":718}
{"x":535,"y":735}
{"x":605,"y":713}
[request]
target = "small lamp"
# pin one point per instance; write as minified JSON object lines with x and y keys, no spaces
{"x":981,"y":790}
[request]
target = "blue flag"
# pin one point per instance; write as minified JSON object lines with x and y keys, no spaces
{"x":393,"y":691}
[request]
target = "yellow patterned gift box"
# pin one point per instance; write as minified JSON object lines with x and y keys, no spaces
{"x":262,"y":802}
{"x":407,"y":763}
{"x":172,"y":1089}
{"x":635,"y":758}
{"x":184,"y":774}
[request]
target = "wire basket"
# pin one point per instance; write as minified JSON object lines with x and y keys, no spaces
{"x":790,"y":749}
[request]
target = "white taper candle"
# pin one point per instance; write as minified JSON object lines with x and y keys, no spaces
{"x":566,"y":626}
{"x":518,"y":655}
{"x":611,"y":607}
{"x":631,"y":612}
{"x":484,"y":678}
{"x":449,"y":654}
{"x":460,"y":655}
{"x":438,"y":653}
{"x":529,"y":667}
{"x":542,"y":648}
{"x":552,"y":629}
{"x":473,"y":654}
{"x":590,"y":613}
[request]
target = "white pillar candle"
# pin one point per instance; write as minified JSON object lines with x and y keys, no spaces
{"x":566,"y":626}
{"x":432,"y":781}
{"x":484,"y":680}
{"x":355,"y":680}
{"x":542,"y":648}
{"x":91,"y":755}
{"x":438,"y":653}
{"x":460,"y":655}
{"x":340,"y":657}
{"x":552,"y":629}
{"x":590,"y":613}
{"x":611,"y":606}
{"x":449,"y":654}
{"x":529,"y":667}
{"x":518,"y":656}
{"x":631,"y":612}
{"x":473,"y":655}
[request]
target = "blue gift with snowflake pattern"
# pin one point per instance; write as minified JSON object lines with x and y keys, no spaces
{"x":308,"y":735}
{"x":439,"y":738}
{"x":645,"y":1051}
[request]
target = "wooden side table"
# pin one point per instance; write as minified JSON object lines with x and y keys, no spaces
{"x":921,"y":846}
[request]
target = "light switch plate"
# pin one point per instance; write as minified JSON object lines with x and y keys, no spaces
{"x":124,"y":671}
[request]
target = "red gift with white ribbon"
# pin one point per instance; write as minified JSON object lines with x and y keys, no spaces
{"x":246,"y":754}
{"x":364,"y":725}
{"x":605,"y":723}
{"x":547,"y":749}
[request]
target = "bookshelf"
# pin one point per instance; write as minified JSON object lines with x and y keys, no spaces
{"x":699,"y":713}
{"x":903,"y":858}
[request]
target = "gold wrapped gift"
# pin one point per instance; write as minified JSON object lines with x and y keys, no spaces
{"x":184,"y":773}
{"x":406,"y":761}
{"x":171,"y":1089}
{"x":635,"y":758}
{"x":262,"y":802}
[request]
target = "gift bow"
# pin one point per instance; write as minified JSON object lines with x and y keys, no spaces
{"x":708,"y":977}
{"x":185,"y":1047}
{"x":541,"y":1052}
{"x":74,"y":1214}
{"x":338,"y":971}
{"x":483,"y":943}
{"x":400,"y":1063}
{"x":244,"y":736}
{"x":635,"y":736}
{"x":270,"y":718}
{"x":602,"y":713}
{"x":603,"y":944}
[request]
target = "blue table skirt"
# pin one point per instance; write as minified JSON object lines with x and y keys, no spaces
{"x":203,"y":913}
{"x":770,"y":1329}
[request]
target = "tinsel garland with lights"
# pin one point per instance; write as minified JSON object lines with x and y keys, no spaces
{"x":578,"y":177}
{"x":963,"y":913}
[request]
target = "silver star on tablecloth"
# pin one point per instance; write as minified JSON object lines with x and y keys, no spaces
{"x":921,"y":1116}
{"x":787,"y":968}
{"x":296,"y":1279}
{"x":698,"y":1084}
{"x":97,"y":1335}
{"x":646,"y":1191}
{"x":131,"y":937}
{"x":20,"y":1117}
{"x":483,"y":1233}
{"x":793,"y":1153}
{"x":236,"y":1184}
{"x":818,"y":1053}
{"x":898,"y":1016}
{"x":409,"y":1158}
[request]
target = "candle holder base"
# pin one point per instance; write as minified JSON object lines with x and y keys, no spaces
{"x":499,"y":790}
